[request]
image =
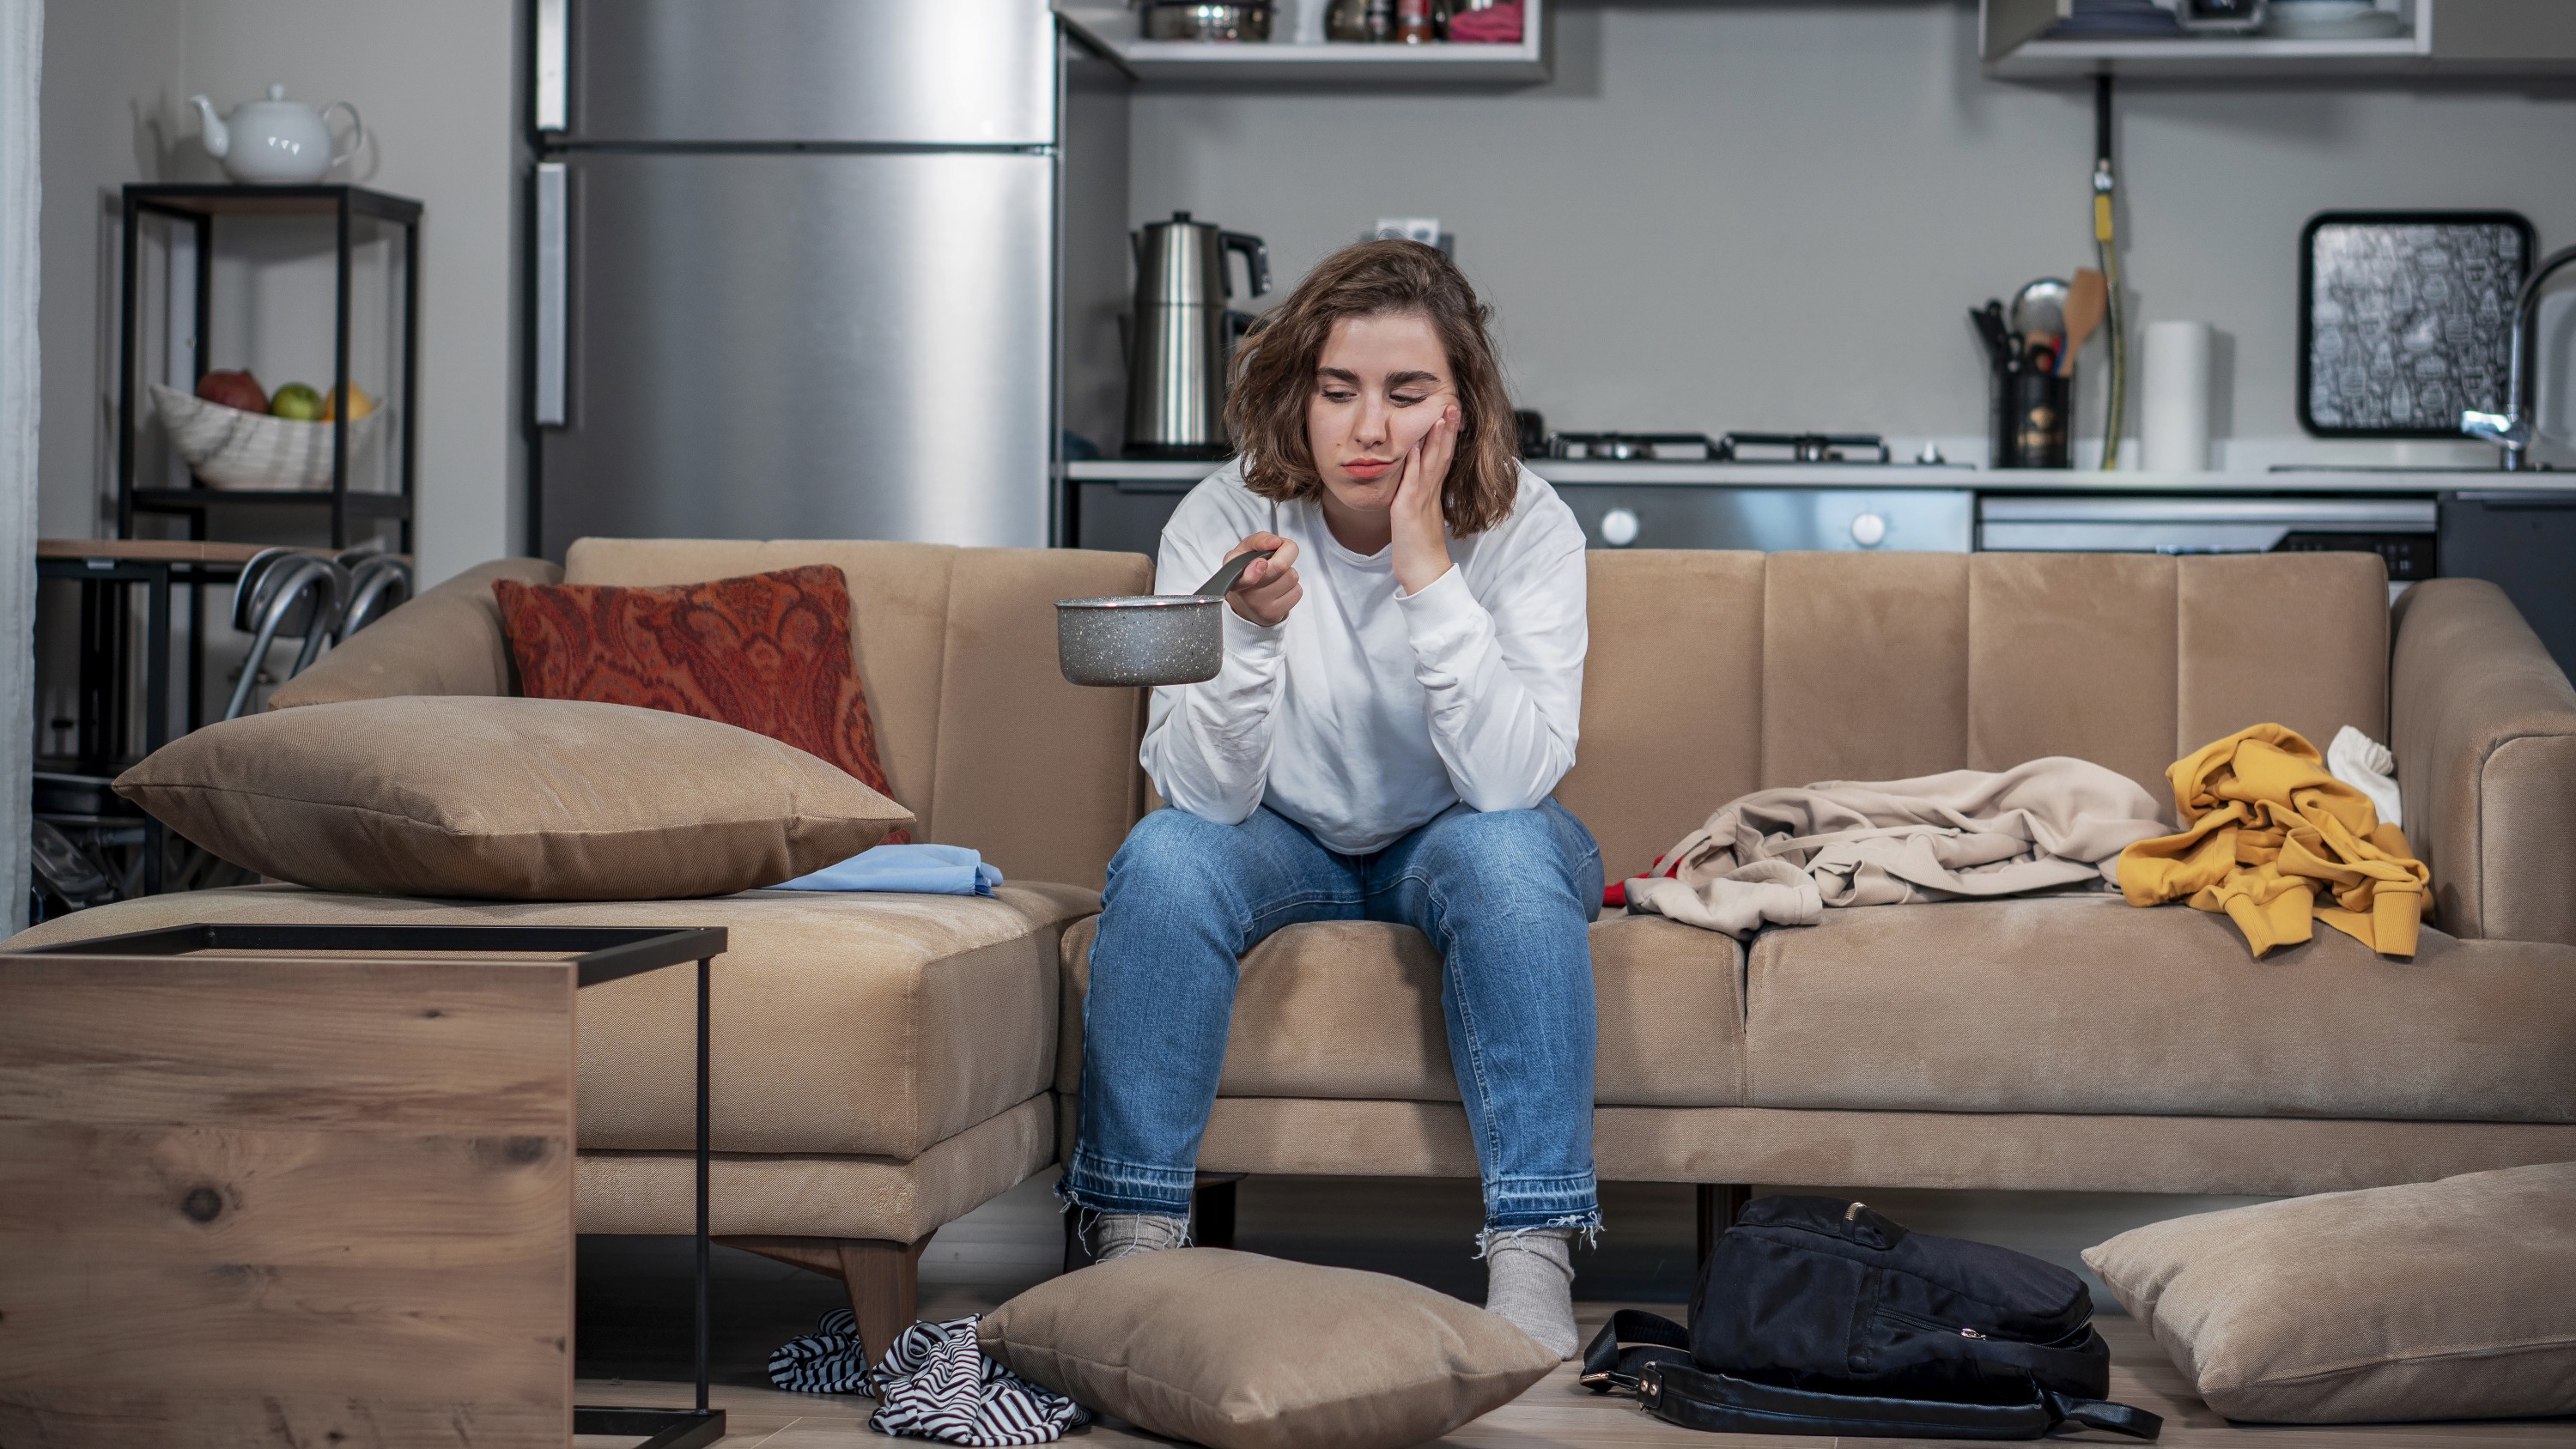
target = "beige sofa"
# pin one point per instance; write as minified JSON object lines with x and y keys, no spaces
{"x":883,"y":1063}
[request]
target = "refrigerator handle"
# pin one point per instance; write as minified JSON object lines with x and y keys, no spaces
{"x":551,"y":110}
{"x":552,"y":296}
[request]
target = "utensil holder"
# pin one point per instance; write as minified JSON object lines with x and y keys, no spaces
{"x":2031,"y":411}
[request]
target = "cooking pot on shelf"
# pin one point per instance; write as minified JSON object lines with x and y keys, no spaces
{"x":1207,"y":20}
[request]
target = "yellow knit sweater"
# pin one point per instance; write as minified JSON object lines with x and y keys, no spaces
{"x":2277,"y":843}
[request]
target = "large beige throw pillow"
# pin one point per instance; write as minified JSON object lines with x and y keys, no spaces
{"x":2436,"y":1300}
{"x":1238,"y":1351}
{"x":511,"y":799}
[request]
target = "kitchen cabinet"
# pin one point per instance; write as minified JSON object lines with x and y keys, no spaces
{"x":1113,"y":29}
{"x":2443,"y":37}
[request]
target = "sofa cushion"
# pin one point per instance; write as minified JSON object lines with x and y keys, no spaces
{"x":510,"y":799}
{"x":2087,"y":1004}
{"x":1351,"y":1009}
{"x":876,"y":1024}
{"x":1716,"y":673}
{"x":2431,"y":1300}
{"x":769,"y":653}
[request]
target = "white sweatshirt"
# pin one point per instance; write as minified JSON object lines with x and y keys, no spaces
{"x":1369,"y":711}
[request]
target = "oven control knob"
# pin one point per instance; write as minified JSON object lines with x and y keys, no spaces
{"x":1619,"y":528}
{"x":1869,"y":530}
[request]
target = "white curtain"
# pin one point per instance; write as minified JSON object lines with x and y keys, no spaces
{"x":22,"y":47}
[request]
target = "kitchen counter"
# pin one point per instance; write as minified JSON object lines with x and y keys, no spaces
{"x":1979,"y":480}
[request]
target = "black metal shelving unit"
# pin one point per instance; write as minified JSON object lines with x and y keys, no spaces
{"x":199,"y":206}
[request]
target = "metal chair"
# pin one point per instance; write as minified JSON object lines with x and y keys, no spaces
{"x":286,"y":592}
{"x":378,"y":584}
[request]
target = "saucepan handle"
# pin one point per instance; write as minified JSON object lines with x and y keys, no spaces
{"x":1224,"y":578}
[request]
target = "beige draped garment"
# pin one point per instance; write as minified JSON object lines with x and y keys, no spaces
{"x":1780,"y":857}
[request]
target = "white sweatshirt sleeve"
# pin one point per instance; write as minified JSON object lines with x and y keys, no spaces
{"x":1207,"y":746}
{"x":1504,"y":678}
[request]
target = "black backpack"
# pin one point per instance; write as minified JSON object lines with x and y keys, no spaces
{"x":1818,"y":1316}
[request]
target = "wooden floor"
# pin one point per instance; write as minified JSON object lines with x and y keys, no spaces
{"x":1560,"y":1414}
{"x":632,"y":1339}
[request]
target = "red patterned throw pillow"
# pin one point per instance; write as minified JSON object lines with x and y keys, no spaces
{"x":769,"y":653}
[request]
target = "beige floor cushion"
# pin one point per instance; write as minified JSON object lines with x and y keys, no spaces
{"x":1238,"y":1351}
{"x":2436,"y":1300}
{"x":841,"y":1023}
{"x":1351,"y":1009}
{"x":2087,"y":1004}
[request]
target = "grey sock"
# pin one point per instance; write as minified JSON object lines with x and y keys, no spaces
{"x":1124,"y":1235}
{"x":1529,"y":1279}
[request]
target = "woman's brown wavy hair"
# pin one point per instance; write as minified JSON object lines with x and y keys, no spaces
{"x":1273,"y":376}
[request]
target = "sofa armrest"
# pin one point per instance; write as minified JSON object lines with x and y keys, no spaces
{"x":2484,"y":727}
{"x":447,"y":641}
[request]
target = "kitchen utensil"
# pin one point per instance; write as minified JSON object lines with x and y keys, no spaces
{"x":2406,"y":319}
{"x":2087,"y":297}
{"x":2173,"y":401}
{"x":277,"y":142}
{"x":1181,"y":335}
{"x":2040,"y":307}
{"x":1207,"y":20}
{"x":2106,"y":255}
{"x":1148,"y":639}
{"x":1989,"y":321}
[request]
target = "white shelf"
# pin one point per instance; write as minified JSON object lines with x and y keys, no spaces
{"x":2443,"y":36}
{"x":1113,"y":28}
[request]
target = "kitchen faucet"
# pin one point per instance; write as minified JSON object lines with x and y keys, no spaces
{"x":2511,"y":429}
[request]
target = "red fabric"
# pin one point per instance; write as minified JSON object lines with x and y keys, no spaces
{"x":1495,"y":25}
{"x":1614,"y":896}
{"x":769,"y":653}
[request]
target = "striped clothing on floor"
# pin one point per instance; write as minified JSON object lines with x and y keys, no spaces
{"x":934,"y":1383}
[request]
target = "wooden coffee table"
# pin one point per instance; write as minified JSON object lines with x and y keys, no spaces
{"x":307,"y":1184}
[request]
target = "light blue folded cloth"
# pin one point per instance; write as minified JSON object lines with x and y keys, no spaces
{"x":937,"y":870}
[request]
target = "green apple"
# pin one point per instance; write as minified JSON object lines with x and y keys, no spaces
{"x":296,"y":401}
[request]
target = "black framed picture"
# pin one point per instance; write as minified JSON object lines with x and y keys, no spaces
{"x":2406,"y":319}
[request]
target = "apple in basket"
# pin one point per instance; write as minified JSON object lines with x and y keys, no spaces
{"x":233,"y":390}
{"x":297,"y":401}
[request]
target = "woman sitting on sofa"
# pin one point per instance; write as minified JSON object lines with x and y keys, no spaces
{"x":1400,"y":693}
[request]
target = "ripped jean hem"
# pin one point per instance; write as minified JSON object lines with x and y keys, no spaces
{"x":1584,"y":1225}
{"x":1103,"y":1188}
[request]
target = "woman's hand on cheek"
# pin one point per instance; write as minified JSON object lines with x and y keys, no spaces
{"x":1421,"y":528}
{"x":1268,"y":588}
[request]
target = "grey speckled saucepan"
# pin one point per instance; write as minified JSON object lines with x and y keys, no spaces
{"x":1148,"y":638}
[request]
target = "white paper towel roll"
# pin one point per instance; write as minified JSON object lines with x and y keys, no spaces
{"x":2176,"y":405}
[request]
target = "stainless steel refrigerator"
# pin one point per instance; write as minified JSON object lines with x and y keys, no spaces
{"x":817,"y":268}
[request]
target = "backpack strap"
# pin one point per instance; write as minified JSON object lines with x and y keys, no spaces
{"x":2102,"y":1414}
{"x":1721,"y":1403}
{"x":1611,"y":1363}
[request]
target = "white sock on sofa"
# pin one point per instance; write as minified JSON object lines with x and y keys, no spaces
{"x":1123,"y":1235}
{"x":1529,"y":1279}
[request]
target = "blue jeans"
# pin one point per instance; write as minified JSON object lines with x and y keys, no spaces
{"x":1505,"y":896}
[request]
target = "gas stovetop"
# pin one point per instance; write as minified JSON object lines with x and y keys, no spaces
{"x":1838,"y":449}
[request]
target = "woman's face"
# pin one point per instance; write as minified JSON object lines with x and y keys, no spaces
{"x":1381,"y":383}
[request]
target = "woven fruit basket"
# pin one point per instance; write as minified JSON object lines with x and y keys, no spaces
{"x":229,"y":448}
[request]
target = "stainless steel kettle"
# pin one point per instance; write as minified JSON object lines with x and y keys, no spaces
{"x":1181,"y":333}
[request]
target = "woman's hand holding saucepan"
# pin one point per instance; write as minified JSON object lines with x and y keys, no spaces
{"x":1421,"y":528}
{"x":1269,"y":587}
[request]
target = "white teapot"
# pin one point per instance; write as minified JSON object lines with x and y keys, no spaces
{"x":277,"y":142}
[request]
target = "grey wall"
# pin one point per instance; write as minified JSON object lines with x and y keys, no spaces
{"x":1767,"y":215}
{"x":437,"y":84}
